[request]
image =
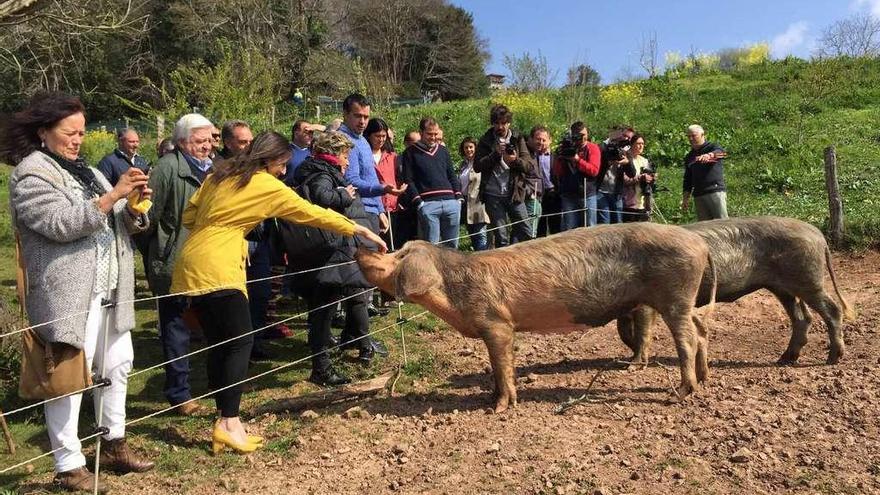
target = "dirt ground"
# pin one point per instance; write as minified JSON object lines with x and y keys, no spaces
{"x":755,"y":428}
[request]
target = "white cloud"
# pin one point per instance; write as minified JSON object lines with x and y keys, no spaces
{"x":872,"y":5}
{"x":793,"y":37}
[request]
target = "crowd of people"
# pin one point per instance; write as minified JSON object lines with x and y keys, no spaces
{"x":229,"y":206}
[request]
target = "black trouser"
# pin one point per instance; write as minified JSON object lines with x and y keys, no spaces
{"x":357,"y":323}
{"x":548,"y":225}
{"x":635,"y":215}
{"x":225,"y":314}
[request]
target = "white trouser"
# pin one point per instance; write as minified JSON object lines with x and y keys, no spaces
{"x":62,"y":415}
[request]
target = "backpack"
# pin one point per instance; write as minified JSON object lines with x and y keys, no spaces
{"x":306,"y":247}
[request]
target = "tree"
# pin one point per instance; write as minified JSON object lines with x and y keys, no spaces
{"x":583,"y":75}
{"x":649,"y":55}
{"x":857,"y":36}
{"x":427,"y":44}
{"x":529,"y":72}
{"x":87,"y":48}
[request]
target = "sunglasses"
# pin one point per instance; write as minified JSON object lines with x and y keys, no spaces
{"x":215,"y":136}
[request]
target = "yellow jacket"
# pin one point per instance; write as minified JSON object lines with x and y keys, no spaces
{"x":220,"y":215}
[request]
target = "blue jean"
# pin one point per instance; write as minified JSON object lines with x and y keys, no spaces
{"x":533,"y":208}
{"x":479,"y":239}
{"x":503,"y":211}
{"x":609,"y":206}
{"x":174,"y":336}
{"x":438,"y":222}
{"x":573,"y":205}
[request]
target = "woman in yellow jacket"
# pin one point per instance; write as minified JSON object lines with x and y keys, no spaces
{"x":238,"y":195}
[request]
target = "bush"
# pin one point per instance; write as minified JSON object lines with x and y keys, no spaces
{"x":96,"y":144}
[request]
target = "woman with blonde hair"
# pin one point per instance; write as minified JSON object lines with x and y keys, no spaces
{"x":322,"y":176}
{"x":241,"y":193}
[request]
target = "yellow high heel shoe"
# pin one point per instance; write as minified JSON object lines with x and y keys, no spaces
{"x":222,"y":439}
{"x":255,"y":439}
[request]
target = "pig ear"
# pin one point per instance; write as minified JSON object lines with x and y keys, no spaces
{"x":416,"y":273}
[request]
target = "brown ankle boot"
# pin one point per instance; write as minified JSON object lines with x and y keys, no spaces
{"x":117,"y":457}
{"x":78,"y":480}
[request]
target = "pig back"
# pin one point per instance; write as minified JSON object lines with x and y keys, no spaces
{"x":585,"y":276}
{"x":752,"y":253}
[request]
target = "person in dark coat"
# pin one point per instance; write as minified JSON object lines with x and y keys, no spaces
{"x":322,"y":177}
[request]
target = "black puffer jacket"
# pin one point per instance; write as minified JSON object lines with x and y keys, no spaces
{"x":326,"y":187}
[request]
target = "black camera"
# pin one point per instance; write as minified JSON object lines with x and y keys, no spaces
{"x":509,"y":149}
{"x":617,"y":150}
{"x":570,"y":145}
{"x":648,"y":188}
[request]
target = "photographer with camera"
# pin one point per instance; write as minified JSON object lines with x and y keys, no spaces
{"x":575,"y":168}
{"x":638,"y":184}
{"x":609,"y":181}
{"x":504,"y":159}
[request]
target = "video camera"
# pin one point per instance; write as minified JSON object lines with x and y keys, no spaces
{"x":648,"y":188}
{"x":570,"y":145}
{"x":617,"y":149}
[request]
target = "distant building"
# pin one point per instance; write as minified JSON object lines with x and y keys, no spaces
{"x":496,"y":81}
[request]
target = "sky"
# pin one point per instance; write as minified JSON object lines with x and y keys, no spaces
{"x":607,"y":34}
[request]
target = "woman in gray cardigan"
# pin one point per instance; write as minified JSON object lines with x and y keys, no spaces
{"x":74,"y":229}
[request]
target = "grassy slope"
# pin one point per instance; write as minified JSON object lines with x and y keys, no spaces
{"x":775,"y":120}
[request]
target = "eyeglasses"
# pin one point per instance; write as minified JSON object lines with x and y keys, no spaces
{"x":215,"y":136}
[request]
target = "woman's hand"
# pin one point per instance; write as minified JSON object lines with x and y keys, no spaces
{"x":351,"y":190}
{"x":133,"y":178}
{"x":371,"y":236}
{"x":384,"y":224}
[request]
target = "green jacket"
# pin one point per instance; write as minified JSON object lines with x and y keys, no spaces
{"x":173,"y":184}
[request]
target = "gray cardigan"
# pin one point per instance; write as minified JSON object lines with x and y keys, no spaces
{"x":56,"y":224}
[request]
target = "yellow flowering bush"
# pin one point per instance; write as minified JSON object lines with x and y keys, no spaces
{"x":96,"y":144}
{"x":529,"y":109}
{"x":755,"y":54}
{"x":620,"y":94}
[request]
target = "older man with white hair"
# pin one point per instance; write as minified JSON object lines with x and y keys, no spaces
{"x":175,"y":178}
{"x":704,"y":176}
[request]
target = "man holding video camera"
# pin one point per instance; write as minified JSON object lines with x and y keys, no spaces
{"x":609,"y":181}
{"x":504,"y":159}
{"x":575,"y":168}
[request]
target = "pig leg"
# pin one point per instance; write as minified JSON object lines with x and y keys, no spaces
{"x":625,"y":330}
{"x":830,"y":313}
{"x":499,"y":342}
{"x":800,"y":322}
{"x":684,"y":333}
{"x":702,"y":359}
{"x":643,"y":320}
{"x":636,"y":326}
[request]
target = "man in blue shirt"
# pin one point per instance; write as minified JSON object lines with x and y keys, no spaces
{"x":362,"y":175}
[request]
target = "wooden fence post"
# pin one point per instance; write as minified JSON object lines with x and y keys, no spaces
{"x":835,"y":202}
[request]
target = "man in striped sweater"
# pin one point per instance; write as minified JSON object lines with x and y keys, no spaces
{"x":427,"y":169}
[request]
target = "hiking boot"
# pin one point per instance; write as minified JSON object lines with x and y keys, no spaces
{"x":116,"y":456}
{"x":78,"y":480}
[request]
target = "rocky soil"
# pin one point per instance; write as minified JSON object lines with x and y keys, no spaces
{"x":754,"y":428}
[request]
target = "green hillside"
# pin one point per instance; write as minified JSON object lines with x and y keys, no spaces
{"x":774,"y":118}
